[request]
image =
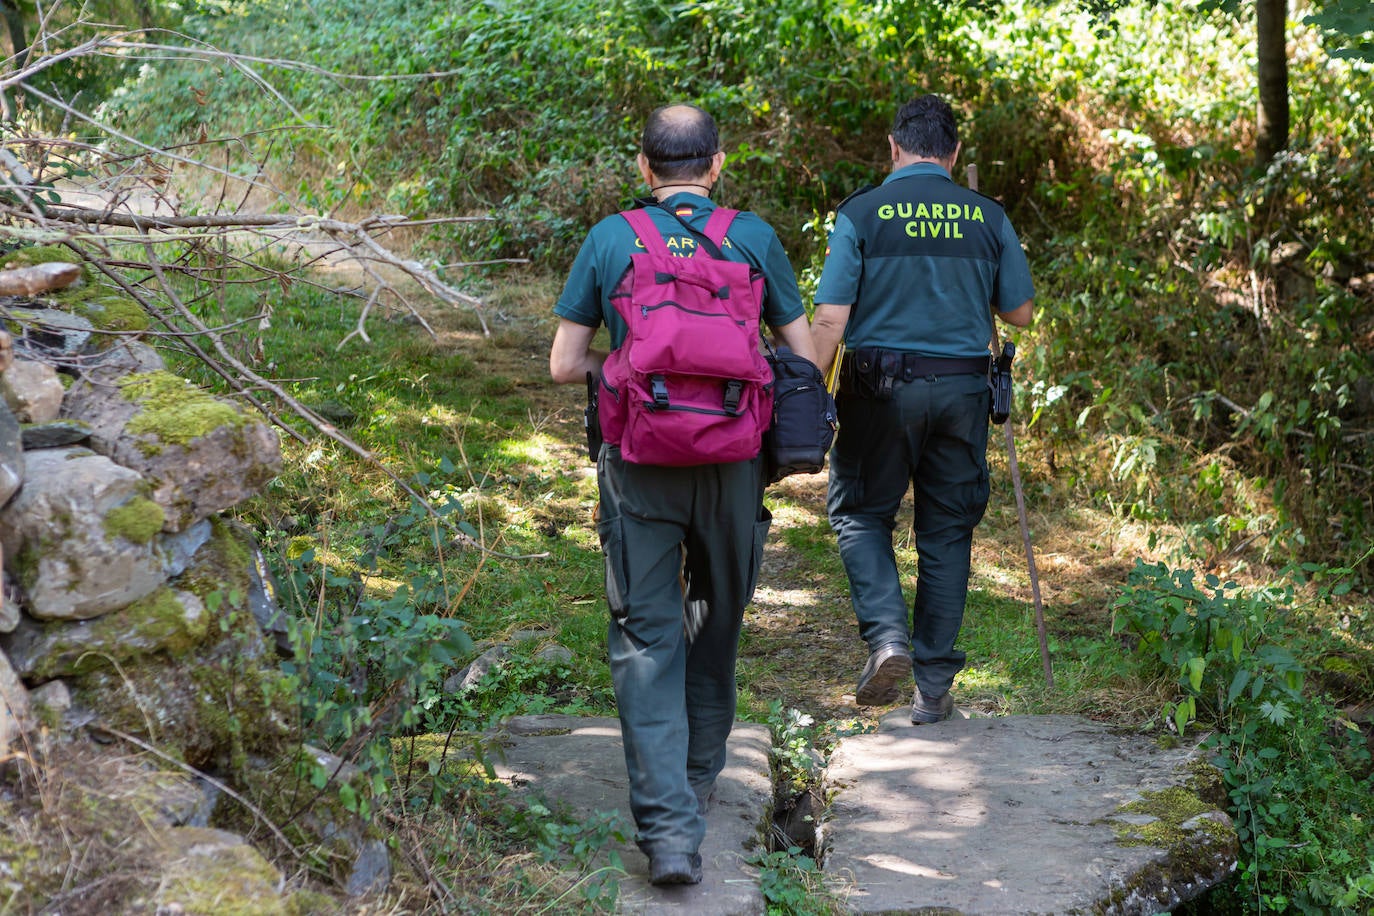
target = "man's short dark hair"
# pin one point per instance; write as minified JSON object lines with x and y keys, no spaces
{"x":679,"y":141}
{"x":926,"y":127}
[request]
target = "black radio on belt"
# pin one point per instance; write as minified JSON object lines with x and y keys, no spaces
{"x":999,"y":380}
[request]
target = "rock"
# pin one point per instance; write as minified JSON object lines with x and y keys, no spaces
{"x":168,"y":621}
{"x":555,"y":654}
{"x":200,"y":454}
{"x":11,"y":454}
{"x":114,"y":317}
{"x":1024,"y":814}
{"x":476,"y":670}
{"x":52,"y":703}
{"x":9,"y":598}
{"x":55,"y":434}
{"x":210,"y":701}
{"x":214,"y":871}
{"x":78,"y":535}
{"x":180,"y":548}
{"x":577,"y":764}
{"x":262,"y":598}
{"x":41,"y":278}
{"x":44,"y":333}
{"x":32,"y":391}
{"x":14,"y":707}
{"x":128,"y":357}
{"x":6,"y":350}
{"x":366,"y":863}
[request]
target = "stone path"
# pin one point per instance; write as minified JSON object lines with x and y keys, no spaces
{"x":1018,"y":815}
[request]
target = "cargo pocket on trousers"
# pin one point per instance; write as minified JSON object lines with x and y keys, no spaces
{"x":756,"y":558}
{"x":613,"y":552}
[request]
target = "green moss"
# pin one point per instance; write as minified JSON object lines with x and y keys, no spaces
{"x":174,"y":411}
{"x":39,"y":254}
{"x":137,"y":520}
{"x":156,"y":623}
{"x":221,"y":568}
{"x":1170,"y":808}
{"x":311,"y":903}
{"x":1196,"y":845}
{"x":112,"y":313}
{"x":235,"y":881}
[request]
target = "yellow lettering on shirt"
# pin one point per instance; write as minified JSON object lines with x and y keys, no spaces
{"x":930,"y":229}
{"x":936,"y":212}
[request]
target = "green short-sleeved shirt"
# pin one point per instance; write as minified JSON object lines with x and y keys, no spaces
{"x":605,"y":256}
{"x":923,"y":261}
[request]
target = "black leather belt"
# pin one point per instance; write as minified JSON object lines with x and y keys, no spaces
{"x":899,"y":364}
{"x":869,"y":372}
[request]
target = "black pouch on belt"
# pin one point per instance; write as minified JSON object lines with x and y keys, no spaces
{"x":865,"y":377}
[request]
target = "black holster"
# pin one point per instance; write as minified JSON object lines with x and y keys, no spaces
{"x":999,"y":380}
{"x":591,"y":419}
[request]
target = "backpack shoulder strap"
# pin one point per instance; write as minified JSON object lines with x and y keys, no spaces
{"x":643,"y":225}
{"x":713,"y":235}
{"x":718,"y":224}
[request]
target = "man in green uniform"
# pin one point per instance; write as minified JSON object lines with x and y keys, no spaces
{"x":913,"y":273}
{"x":661,"y":526}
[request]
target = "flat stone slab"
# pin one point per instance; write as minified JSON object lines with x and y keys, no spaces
{"x":1019,"y":815}
{"x":578,"y":764}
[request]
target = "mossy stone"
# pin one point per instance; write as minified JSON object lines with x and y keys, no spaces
{"x":112,"y":313}
{"x":38,"y":254}
{"x":174,"y":411}
{"x":137,"y":521}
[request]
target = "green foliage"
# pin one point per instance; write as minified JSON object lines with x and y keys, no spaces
{"x":1297,"y":774}
{"x":792,"y":885}
{"x":516,"y":686}
{"x":1348,"y":26}
{"x":1199,"y":363}
{"x":360,"y":653}
{"x":795,"y":762}
{"x":557,"y":837}
{"x":1217,"y":639}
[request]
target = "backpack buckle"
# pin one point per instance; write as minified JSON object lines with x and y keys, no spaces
{"x":658,"y":389}
{"x":733,"y":390}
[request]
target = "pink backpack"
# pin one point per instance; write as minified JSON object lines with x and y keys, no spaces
{"x":689,"y":385}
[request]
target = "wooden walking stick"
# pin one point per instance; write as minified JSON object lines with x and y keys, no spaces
{"x":1020,"y":499}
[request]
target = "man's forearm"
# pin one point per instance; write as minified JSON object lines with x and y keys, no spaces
{"x":797,"y":335}
{"x":827,"y":330}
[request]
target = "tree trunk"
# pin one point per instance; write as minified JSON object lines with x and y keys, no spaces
{"x":1271,"y":58}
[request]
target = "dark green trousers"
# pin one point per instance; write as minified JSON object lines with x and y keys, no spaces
{"x":661,"y":527}
{"x":932,"y":436}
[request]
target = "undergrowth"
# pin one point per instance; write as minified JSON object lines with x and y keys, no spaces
{"x":1198,"y":375}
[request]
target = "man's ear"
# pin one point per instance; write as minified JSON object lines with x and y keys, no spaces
{"x":717,"y":163}
{"x":643,"y":162}
{"x":954,"y":157}
{"x":893,"y":149}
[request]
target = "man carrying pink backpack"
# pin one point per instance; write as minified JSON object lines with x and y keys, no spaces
{"x":684,"y":397}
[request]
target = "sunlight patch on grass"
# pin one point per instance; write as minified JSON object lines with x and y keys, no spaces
{"x":786,"y":597}
{"x":537,"y":449}
{"x":984,"y":680}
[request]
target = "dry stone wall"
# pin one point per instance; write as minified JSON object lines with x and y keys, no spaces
{"x":133,"y":613}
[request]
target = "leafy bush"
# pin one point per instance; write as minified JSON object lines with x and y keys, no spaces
{"x":1297,"y":773}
